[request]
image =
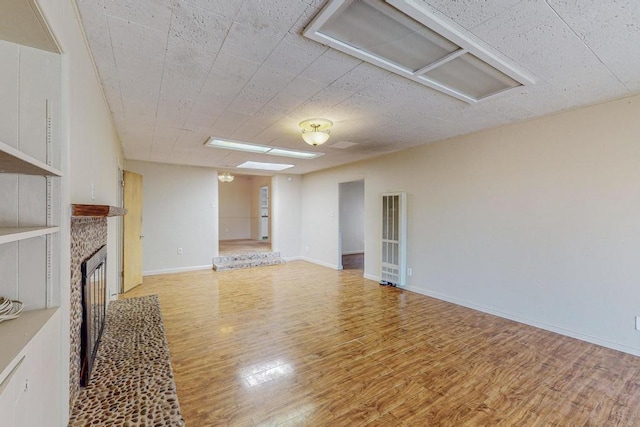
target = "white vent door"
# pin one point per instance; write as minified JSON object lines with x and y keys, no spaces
{"x":394,"y":238}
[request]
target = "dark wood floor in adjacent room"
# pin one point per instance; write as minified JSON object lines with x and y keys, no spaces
{"x":300,"y":344}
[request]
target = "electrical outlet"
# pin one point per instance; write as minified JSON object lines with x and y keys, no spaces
{"x":180,"y":251}
{"x":93,"y":191}
{"x":637,"y":323}
{"x":409,"y":271}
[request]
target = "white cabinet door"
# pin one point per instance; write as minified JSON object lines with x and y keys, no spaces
{"x":29,"y":396}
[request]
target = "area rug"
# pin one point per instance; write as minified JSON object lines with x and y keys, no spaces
{"x":132,"y":381}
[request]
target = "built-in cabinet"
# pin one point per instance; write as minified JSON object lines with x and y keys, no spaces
{"x":30,"y":218}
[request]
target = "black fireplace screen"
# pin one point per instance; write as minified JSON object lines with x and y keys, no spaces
{"x":94,"y":304}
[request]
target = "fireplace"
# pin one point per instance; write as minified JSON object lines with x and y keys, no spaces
{"x":94,"y":306}
{"x":88,"y":236}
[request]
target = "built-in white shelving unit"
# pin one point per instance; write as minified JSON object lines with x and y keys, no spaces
{"x":30,"y":218}
{"x":10,"y":234}
{"x":14,"y":161}
{"x":16,"y":334}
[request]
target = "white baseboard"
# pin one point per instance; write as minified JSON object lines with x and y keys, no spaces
{"x":372,"y":277}
{"x":322,"y":263}
{"x":562,"y":331}
{"x":177,"y":270}
{"x":293,"y":258}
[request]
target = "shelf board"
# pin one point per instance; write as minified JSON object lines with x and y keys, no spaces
{"x":97,"y":210}
{"x":13,"y":234}
{"x":15,"y":161}
{"x":17,"y":333}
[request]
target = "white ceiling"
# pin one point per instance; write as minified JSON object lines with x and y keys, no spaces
{"x":176,"y":72}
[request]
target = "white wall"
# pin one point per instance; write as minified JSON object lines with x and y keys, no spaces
{"x":320,"y":205}
{"x":536,"y":221}
{"x":179,"y":211}
{"x":352,"y":217}
{"x":234,"y":199}
{"x":286,"y":199}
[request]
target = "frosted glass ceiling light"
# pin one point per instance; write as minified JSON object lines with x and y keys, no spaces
{"x":315,"y":131}
{"x":225,"y":177}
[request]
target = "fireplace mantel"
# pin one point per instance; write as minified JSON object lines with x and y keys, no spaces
{"x":96,"y":211}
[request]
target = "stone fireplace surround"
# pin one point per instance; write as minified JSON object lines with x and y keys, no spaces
{"x":88,"y":234}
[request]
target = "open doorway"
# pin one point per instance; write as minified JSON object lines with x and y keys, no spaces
{"x":351,"y":226}
{"x":244,"y":208}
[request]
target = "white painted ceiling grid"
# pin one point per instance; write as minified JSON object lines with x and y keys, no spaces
{"x":176,"y":72}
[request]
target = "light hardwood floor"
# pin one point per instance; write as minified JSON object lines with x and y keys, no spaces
{"x":300,"y":344}
{"x":226,"y":247}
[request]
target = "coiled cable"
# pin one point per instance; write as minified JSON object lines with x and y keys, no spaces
{"x":10,"y":309}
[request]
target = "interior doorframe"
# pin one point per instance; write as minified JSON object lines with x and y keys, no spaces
{"x":133,"y":188}
{"x":341,"y":219}
{"x":120,"y":233}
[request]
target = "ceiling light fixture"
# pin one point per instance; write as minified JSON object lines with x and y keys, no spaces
{"x":228,"y":144}
{"x":264,"y":166}
{"x":409,"y":38}
{"x":225,"y":177}
{"x":315,"y":131}
{"x":293,"y":153}
{"x":236,"y":145}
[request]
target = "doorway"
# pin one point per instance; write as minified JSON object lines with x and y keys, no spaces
{"x":244,"y":216}
{"x":132,"y":248}
{"x":351,"y":226}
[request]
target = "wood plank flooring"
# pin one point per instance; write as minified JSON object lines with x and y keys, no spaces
{"x":226,"y":247}
{"x":300,"y":344}
{"x":353,"y":262}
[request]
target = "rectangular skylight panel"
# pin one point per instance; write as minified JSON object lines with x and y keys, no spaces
{"x":293,"y":153}
{"x":383,"y":31}
{"x":265,"y":166}
{"x":235,"y":145}
{"x":410,"y":39}
{"x":471,"y":76}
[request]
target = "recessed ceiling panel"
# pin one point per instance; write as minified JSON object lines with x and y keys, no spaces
{"x":264,"y":166}
{"x":404,"y":37}
{"x":471,"y":76}
{"x":379,"y":29}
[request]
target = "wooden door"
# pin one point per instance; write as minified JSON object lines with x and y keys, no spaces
{"x":132,"y":250}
